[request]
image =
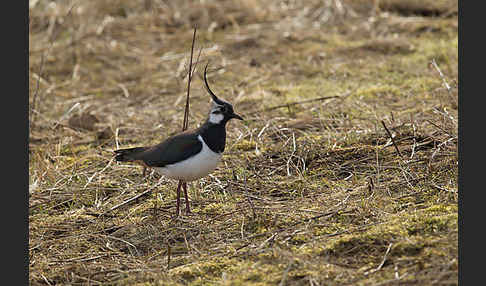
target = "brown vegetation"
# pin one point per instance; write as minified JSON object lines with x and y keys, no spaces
{"x":343,"y":173}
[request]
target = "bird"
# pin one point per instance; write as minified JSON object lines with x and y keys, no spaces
{"x":189,"y":155}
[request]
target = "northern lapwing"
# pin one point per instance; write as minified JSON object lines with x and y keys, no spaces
{"x":189,"y":155}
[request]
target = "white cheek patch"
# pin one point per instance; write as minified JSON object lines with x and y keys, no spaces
{"x":214,"y":105}
{"x":216,"y":118}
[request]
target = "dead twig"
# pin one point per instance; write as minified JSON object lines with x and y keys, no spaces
{"x":287,"y":105}
{"x":285,"y":274}
{"x":81,"y":259}
{"x":247,"y":194}
{"x":97,"y":173}
{"x":447,"y":86}
{"x":41,"y":69}
{"x":130,"y":245}
{"x":443,"y":189}
{"x":384,"y":258}
{"x":143,"y":194}
{"x":189,"y":77}
{"x":440,"y":128}
{"x":392,"y":139}
{"x":168,"y":255}
{"x":129,"y":200}
{"x":185,"y":123}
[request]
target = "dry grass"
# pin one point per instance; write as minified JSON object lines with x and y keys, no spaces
{"x":311,"y":190}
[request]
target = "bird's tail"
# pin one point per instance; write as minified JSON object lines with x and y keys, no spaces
{"x":130,"y":154}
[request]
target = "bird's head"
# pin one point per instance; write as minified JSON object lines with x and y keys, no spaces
{"x":221,"y":111}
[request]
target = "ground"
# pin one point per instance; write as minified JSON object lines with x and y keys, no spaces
{"x":344,"y":171}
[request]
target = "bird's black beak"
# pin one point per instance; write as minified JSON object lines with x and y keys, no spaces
{"x":234,"y":115}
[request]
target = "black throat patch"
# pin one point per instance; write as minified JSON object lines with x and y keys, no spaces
{"x":214,"y":135}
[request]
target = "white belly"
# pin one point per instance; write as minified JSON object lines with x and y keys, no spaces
{"x":193,"y":168}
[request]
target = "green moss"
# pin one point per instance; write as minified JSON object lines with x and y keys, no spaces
{"x":378,"y":91}
{"x":212,"y":208}
{"x":299,"y":239}
{"x":201,"y":271}
{"x":254,"y":277}
{"x":416,"y":227}
{"x":433,"y":220}
{"x":245,"y":145}
{"x":330,"y":228}
{"x":409,"y":247}
{"x":74,"y":149}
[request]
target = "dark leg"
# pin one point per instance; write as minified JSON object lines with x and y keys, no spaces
{"x":188,"y":209}
{"x":178,"y":198}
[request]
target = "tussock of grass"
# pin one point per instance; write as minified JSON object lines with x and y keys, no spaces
{"x":310,"y":190}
